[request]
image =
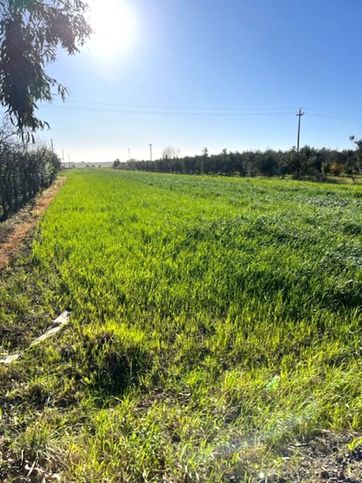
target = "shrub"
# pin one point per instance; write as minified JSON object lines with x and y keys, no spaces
{"x":23,"y":174}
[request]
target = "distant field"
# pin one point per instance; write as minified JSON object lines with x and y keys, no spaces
{"x":216,"y":326}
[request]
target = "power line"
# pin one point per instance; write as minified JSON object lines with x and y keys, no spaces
{"x":205,"y":111}
{"x":208,"y":112}
{"x":198,"y":108}
{"x":168,"y":112}
{"x":341,"y":117}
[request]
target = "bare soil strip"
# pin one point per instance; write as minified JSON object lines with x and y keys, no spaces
{"x":14,"y":230}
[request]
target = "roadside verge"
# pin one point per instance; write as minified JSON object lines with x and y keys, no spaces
{"x":14,"y":231}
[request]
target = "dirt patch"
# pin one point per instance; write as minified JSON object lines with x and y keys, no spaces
{"x":327,"y":459}
{"x":14,"y":231}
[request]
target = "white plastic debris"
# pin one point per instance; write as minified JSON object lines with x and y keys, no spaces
{"x":57,"y":326}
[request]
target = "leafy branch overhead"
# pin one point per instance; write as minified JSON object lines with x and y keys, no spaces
{"x":31,"y":33}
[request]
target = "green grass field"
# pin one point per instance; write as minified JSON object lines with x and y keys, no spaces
{"x":215,"y":324}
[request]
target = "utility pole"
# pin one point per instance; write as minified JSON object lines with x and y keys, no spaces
{"x":52,"y":145}
{"x":299,"y":116}
{"x":150,"y":152}
{"x":129,"y":154}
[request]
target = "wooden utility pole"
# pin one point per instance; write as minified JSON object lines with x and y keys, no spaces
{"x":299,"y":116}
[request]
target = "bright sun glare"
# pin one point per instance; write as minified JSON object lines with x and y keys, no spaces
{"x":114,"y":28}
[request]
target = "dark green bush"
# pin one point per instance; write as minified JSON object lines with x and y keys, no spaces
{"x":23,"y":174}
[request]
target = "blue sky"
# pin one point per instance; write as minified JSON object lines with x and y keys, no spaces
{"x":216,"y":73}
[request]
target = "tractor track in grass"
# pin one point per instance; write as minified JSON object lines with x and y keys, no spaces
{"x":14,"y":230}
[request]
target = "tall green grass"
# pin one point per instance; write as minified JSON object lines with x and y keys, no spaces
{"x":214,"y":322}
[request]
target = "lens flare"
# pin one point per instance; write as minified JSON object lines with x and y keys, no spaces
{"x":114,"y":28}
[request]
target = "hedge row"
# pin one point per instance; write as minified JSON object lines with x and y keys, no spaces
{"x":23,"y":174}
{"x":309,"y":162}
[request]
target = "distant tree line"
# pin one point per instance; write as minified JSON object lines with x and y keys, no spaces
{"x":309,"y":162}
{"x":24,"y":172}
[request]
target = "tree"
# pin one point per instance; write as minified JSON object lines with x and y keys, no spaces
{"x":354,"y":164}
{"x":116,"y":163}
{"x":23,"y":172}
{"x":170,"y":153}
{"x":205,"y":152}
{"x":31,"y":32}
